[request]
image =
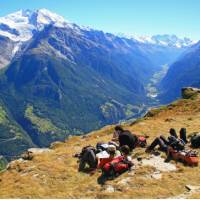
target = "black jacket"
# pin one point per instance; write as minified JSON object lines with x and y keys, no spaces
{"x":127,"y":138}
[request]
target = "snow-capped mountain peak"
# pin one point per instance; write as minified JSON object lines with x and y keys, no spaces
{"x":44,"y":17}
{"x":161,"y":40}
{"x":20,"y":25}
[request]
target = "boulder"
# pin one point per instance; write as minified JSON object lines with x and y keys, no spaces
{"x":38,"y":150}
{"x":28,"y":155}
{"x":189,"y":92}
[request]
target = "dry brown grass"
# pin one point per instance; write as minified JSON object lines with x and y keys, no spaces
{"x":54,"y":174}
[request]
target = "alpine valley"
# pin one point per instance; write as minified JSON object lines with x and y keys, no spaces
{"x":59,"y":79}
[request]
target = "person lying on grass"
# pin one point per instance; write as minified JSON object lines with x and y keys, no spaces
{"x":102,"y":161}
{"x":124,"y":158}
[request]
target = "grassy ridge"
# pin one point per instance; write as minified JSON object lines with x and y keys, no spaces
{"x":54,"y":174}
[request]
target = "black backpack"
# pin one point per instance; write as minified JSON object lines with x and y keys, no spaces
{"x":88,"y":155}
{"x":195,"y":140}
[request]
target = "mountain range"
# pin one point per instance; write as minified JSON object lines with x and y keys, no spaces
{"x":58,"y":78}
{"x":182,"y":73}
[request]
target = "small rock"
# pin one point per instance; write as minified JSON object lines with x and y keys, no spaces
{"x":35,"y":175}
{"x":124,"y":181}
{"x":110,"y":189}
{"x":24,"y":174}
{"x":84,"y":136}
{"x":156,"y":175}
{"x":169,"y":120}
{"x":18,"y":168}
{"x":131,"y":173}
{"x":28,"y":155}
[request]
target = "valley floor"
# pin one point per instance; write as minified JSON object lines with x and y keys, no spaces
{"x":53,"y":173}
{"x":152,"y":87}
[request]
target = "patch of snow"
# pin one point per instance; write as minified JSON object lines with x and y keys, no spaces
{"x":16,"y":48}
{"x":7,"y":34}
{"x":44,"y":16}
{"x":19,"y":26}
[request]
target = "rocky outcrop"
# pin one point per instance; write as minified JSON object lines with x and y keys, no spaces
{"x":188,"y":92}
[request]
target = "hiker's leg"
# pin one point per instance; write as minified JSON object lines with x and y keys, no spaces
{"x":154,"y":144}
{"x":183,"y":135}
{"x":164,"y":139}
{"x":162,"y":144}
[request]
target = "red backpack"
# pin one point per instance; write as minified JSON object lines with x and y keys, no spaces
{"x":142,"y":142}
{"x":189,"y":157}
{"x":116,"y":166}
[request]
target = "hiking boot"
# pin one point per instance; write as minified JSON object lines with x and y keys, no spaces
{"x":148,"y":150}
{"x":168,"y":159}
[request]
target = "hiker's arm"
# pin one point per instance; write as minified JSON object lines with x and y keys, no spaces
{"x":115,"y":136}
{"x":98,"y":166}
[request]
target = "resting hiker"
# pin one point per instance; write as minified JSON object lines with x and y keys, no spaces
{"x":103,"y":150}
{"x":119,"y":164}
{"x":102,"y":146}
{"x":125,"y":150}
{"x":117,"y":131}
{"x":87,"y":156}
{"x":125,"y":137}
{"x":102,"y":161}
{"x":172,"y":141}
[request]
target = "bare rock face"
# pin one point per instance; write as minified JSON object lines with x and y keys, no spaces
{"x":6,"y":51}
{"x":189,"y":92}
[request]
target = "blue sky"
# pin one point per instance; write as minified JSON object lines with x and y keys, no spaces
{"x":140,"y":17}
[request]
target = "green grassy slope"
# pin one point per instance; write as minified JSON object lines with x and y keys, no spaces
{"x":13,"y":139}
